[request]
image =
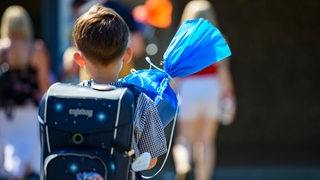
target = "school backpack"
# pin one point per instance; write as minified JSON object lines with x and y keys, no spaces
{"x":86,"y":130}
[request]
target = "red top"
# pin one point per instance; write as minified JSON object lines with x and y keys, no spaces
{"x":207,"y":71}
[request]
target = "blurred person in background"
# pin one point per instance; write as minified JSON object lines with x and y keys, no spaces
{"x":75,"y":7}
{"x":24,"y":77}
{"x":70,"y":69}
{"x":204,"y":96}
{"x":155,"y":15}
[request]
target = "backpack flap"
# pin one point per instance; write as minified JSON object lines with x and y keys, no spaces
{"x":81,"y":116}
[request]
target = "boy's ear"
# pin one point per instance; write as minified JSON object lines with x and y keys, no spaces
{"x":78,"y":57}
{"x":128,"y":55}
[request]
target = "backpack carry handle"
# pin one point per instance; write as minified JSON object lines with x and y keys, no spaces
{"x":102,"y":87}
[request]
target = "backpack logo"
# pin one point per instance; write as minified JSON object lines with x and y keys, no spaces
{"x":81,"y":112}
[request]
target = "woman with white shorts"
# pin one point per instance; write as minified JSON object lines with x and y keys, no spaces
{"x":203,"y":98}
{"x":198,"y":120}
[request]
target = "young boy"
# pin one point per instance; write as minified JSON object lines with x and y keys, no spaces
{"x":101,"y":37}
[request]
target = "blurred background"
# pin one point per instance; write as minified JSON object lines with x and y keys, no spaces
{"x":275,"y":67}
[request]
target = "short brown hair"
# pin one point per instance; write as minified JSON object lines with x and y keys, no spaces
{"x":101,"y":34}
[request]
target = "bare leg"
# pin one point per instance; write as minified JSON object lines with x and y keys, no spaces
{"x":205,"y":149}
{"x":182,"y":150}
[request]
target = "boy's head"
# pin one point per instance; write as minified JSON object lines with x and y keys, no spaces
{"x":101,"y":35}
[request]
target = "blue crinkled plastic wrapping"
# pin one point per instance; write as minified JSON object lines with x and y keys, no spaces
{"x":196,"y":45}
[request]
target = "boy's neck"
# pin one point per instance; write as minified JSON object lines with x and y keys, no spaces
{"x":102,"y":76}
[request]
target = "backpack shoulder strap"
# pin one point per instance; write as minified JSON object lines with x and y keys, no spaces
{"x":136,"y":92}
